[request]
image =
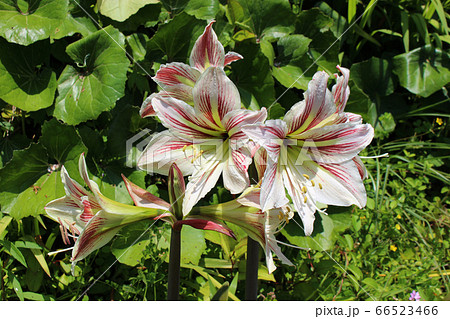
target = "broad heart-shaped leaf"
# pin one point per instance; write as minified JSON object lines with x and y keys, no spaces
{"x":26,"y":81}
{"x":326,"y":231}
{"x":267,"y":19}
{"x":99,"y":80}
{"x":201,"y":9}
{"x":131,"y":242}
{"x":176,"y":38}
{"x":120,"y":10}
{"x":423,"y":71}
{"x":192,"y":244}
{"x":25,"y":22}
{"x":373,"y":76}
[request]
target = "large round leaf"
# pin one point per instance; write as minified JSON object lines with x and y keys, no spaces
{"x":423,"y":71}
{"x":25,"y":80}
{"x":120,"y":10}
{"x":25,"y":22}
{"x":97,"y":82}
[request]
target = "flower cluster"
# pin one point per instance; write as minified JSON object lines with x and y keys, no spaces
{"x":311,"y":156}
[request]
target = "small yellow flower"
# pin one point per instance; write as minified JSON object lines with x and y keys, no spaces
{"x":439,"y":121}
{"x":393,"y":247}
{"x":397,"y":227}
{"x":399,"y":216}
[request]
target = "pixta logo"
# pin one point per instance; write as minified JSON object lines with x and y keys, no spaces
{"x":135,"y":145}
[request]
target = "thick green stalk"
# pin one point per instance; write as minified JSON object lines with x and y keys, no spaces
{"x":251,"y":272}
{"x":173,"y":286}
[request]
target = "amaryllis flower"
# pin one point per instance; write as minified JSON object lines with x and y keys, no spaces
{"x":92,"y":216}
{"x":312,"y":153}
{"x":178,"y":79}
{"x":261,"y":226}
{"x":205,"y":140}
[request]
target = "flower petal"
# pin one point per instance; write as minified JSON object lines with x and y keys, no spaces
{"x":207,"y":50}
{"x":215,"y":95}
{"x":201,"y":182}
{"x":340,"y":90}
{"x":336,"y":143}
{"x":164,"y":149}
{"x":235,"y":120}
{"x":202,"y":223}
{"x":235,"y":175}
{"x":143,"y":198}
{"x":361,"y":168}
{"x":270,"y":135}
{"x":335,"y":184}
{"x":303,"y":203}
{"x":67,"y":211}
{"x":272,"y":189}
{"x":231,"y":57}
{"x":177,"y":80}
{"x":317,"y":106}
{"x":147,"y":107}
{"x":181,"y":119}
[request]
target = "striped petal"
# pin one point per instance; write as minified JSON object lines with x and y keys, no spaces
{"x":163,"y":150}
{"x":181,"y":119}
{"x":340,"y":90}
{"x":235,"y":120}
{"x":215,"y":95}
{"x":207,"y":50}
{"x":231,"y":57}
{"x":270,"y":135}
{"x":67,"y":212}
{"x":317,"y":106}
{"x":143,"y":198}
{"x":336,"y":143}
{"x":201,"y":182}
{"x":272,"y":188}
{"x":235,"y":175}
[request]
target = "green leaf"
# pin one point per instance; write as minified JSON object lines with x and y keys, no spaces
{"x":98,"y":81}
{"x":4,"y":222}
{"x":16,"y":285}
{"x":253,"y":73}
{"x":9,"y":144}
{"x":385,"y":125}
{"x":373,"y":76}
{"x":27,"y":82}
{"x":423,"y":71}
{"x":25,"y":22}
{"x":32,"y":201}
{"x":13,"y":251}
{"x":175,"y":39}
{"x":120,"y":10}
{"x":222,"y":293}
{"x":324,"y":236}
{"x":267,"y":19}
{"x":203,"y":9}
{"x":24,"y":169}
{"x":63,"y":144}
{"x":192,"y":244}
{"x":130,"y":244}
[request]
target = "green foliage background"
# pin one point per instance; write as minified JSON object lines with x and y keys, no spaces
{"x":74,"y":73}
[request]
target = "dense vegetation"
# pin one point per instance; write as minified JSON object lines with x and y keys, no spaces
{"x":73,"y":75}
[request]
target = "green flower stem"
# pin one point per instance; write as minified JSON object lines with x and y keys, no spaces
{"x":251,"y":272}
{"x":173,"y":287}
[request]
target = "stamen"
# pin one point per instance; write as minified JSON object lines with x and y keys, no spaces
{"x":320,"y":186}
{"x":306,"y":176}
{"x":305,"y":199}
{"x":304,"y":189}
{"x":312,"y":183}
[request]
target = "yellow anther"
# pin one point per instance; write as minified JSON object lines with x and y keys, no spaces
{"x":286,"y":216}
{"x":184,"y":148}
{"x":280,"y":216}
{"x":305,"y":199}
{"x":312,"y":183}
{"x":304,"y":189}
{"x":306,"y":176}
{"x":320,"y":186}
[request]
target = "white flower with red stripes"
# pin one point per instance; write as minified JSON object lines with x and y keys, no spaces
{"x":205,"y":140}
{"x":178,"y":79}
{"x":313,"y":152}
